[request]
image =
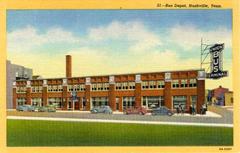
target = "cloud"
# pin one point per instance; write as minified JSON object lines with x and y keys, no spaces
{"x":189,"y":36}
{"x":29,"y":38}
{"x":135,"y":32}
{"x":144,"y":51}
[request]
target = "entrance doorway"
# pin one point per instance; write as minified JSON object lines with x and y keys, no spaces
{"x":76,"y":105}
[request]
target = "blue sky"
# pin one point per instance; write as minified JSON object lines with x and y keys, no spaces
{"x":79,"y":20}
{"x":138,"y":40}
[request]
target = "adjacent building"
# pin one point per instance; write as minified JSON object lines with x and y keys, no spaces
{"x":220,"y":96}
{"x":119,"y":91}
{"x":15,"y":72}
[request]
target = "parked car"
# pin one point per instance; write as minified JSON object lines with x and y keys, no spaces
{"x":101,"y":109}
{"x":136,"y":110}
{"x":25,"y":108}
{"x":48,"y":108}
{"x":162,"y":111}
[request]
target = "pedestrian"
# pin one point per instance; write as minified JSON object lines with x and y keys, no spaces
{"x":182,"y":109}
{"x":178,"y":107}
{"x":190,"y":110}
{"x":204,"y":108}
{"x":193,"y":110}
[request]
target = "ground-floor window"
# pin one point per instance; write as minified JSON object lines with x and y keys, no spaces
{"x":36,"y":101}
{"x":55,"y":101}
{"x":128,"y":102}
{"x":177,"y":100}
{"x":194,"y":101}
{"x":21,"y":101}
{"x":152,"y":101}
{"x":99,"y":101}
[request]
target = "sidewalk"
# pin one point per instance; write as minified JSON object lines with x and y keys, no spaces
{"x":208,"y":114}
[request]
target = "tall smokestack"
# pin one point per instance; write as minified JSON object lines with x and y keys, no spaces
{"x":68,"y":66}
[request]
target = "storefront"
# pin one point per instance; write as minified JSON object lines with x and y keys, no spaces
{"x":128,"y":102}
{"x":179,"y":100}
{"x":21,"y":101}
{"x":55,"y":101}
{"x":99,"y":101}
{"x":150,"y":102}
{"x":36,"y":102}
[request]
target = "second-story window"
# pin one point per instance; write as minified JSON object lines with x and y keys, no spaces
{"x":175,"y":83}
{"x":192,"y":83}
{"x":160,"y":84}
{"x":184,"y":83}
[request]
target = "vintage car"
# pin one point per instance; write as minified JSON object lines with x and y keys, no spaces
{"x":48,"y":108}
{"x":101,"y":109}
{"x":162,"y":111}
{"x":25,"y":108}
{"x":135,"y":110}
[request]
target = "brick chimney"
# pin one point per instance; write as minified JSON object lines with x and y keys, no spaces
{"x":68,"y":66}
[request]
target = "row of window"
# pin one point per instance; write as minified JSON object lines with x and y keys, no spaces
{"x":125,"y":86}
{"x":35,"y":89}
{"x":119,"y":86}
{"x":184,"y":83}
{"x":147,"y":101}
{"x":152,"y":101}
{"x":153,"y":84}
{"x":100,"y":86}
{"x":80,"y":87}
{"x":21,"y":89}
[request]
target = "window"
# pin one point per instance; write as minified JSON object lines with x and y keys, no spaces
{"x":94,"y":87}
{"x":40,"y":88}
{"x":21,"y":90}
{"x":152,"y":84}
{"x":21,"y":101}
{"x":184,"y":84}
{"x":55,"y":101}
{"x":125,"y":86}
{"x":145,"y":85}
{"x":35,"y":89}
{"x":175,"y":84}
{"x":49,"y":88}
{"x":100,"y":86}
{"x":160,"y":84}
{"x":131,"y":85}
{"x":192,"y":83}
{"x":177,"y":100}
{"x":55,"y":88}
{"x":128,"y":102}
{"x":70,"y":88}
{"x":106,"y":86}
{"x":118,"y":86}
{"x":99,"y":101}
{"x":36,"y":101}
{"x":82,"y":87}
{"x":60,"y":88}
{"x":152,"y":101}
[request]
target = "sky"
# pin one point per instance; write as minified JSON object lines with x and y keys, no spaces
{"x":105,"y":42}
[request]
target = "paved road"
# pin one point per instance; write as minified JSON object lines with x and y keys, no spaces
{"x":225,"y":119}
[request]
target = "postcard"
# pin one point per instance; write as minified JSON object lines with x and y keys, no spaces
{"x":91,"y":76}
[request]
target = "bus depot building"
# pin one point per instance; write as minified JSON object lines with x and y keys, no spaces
{"x":120,"y":91}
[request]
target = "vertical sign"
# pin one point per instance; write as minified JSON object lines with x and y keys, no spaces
{"x":216,"y":62}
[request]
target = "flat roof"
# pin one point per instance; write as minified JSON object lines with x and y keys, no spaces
{"x":119,"y":74}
